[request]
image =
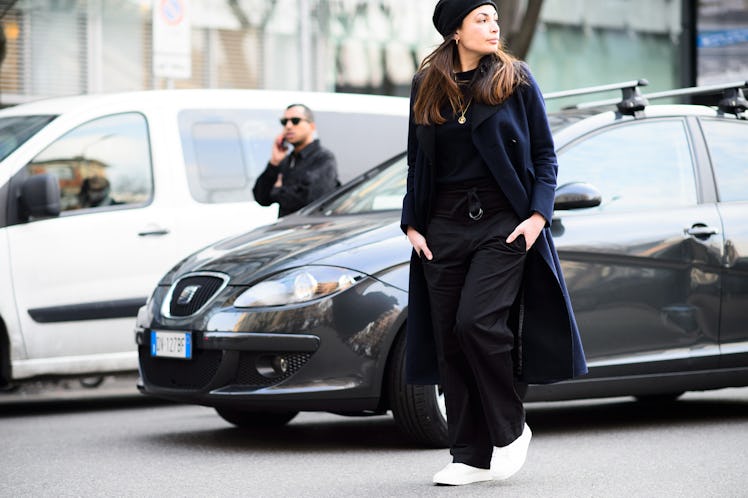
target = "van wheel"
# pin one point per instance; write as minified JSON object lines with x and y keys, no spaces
{"x":255,"y":420}
{"x":419,"y":411}
{"x":91,"y":382}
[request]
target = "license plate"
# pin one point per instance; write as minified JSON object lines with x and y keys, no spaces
{"x":171,"y":344}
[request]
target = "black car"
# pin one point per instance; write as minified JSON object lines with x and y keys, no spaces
{"x":651,"y":225}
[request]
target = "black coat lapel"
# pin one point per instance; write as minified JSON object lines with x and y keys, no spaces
{"x":481,"y":112}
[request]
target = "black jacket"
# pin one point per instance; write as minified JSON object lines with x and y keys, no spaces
{"x":307,"y":176}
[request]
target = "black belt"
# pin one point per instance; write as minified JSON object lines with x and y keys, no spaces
{"x":475,"y":201}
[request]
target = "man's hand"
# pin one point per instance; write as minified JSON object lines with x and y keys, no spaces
{"x":279,"y":150}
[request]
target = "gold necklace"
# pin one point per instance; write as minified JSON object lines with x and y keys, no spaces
{"x":462,"y":119}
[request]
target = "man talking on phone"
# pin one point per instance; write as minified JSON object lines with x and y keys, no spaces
{"x":295,"y":177}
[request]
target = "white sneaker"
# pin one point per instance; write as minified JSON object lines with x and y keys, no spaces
{"x":457,"y":474}
{"x":507,"y":461}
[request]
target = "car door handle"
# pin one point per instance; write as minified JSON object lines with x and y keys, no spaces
{"x":701,"y":231}
{"x":155,"y":232}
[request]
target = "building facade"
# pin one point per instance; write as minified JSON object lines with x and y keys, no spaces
{"x":67,"y":47}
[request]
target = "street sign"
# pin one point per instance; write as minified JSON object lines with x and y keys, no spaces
{"x":172,"y":57}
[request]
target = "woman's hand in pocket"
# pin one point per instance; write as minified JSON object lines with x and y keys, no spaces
{"x":530,"y":229}
{"x":418,"y":242}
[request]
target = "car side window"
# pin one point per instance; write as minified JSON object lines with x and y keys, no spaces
{"x":636,"y":166}
{"x":101,"y":164}
{"x":728,"y":148}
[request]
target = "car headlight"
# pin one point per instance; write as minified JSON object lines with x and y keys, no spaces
{"x":297,"y":286}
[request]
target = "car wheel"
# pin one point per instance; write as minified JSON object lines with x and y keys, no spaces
{"x":255,"y":420}
{"x":659,"y":398}
{"x":419,"y":410}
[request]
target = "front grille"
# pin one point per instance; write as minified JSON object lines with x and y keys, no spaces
{"x":248,"y":375}
{"x":192,"y":293}
{"x":171,"y":373}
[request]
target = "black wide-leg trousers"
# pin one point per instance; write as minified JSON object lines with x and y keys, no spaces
{"x":473,"y":280}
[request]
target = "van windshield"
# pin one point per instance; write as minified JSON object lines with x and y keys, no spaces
{"x":15,"y":130}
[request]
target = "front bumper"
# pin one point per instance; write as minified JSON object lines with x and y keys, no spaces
{"x":333,"y":360}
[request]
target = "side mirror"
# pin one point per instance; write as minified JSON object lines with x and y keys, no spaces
{"x":576,"y":195}
{"x":40,"y":196}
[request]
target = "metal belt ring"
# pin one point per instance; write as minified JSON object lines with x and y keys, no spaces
{"x":476,"y":217}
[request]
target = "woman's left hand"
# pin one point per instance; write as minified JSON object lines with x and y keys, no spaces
{"x":530,"y":229}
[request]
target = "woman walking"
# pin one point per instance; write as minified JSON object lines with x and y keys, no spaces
{"x":488,"y":309}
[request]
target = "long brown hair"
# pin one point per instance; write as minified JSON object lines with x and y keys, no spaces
{"x":498,"y":76}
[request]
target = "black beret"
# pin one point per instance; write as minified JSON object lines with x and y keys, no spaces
{"x":448,"y":14}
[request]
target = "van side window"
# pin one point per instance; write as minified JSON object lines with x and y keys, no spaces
{"x":728,"y":149}
{"x":103,"y":163}
{"x":225,"y":151}
{"x":218,"y":150}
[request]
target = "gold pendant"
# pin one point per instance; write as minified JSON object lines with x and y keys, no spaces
{"x":461,"y":120}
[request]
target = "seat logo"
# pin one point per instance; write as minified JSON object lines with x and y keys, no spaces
{"x":185,"y":297}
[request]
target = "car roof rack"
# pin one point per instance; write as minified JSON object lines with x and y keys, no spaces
{"x":631,"y":102}
{"x":733,"y":100}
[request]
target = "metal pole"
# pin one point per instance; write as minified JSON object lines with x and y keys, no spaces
{"x":305,"y":45}
{"x":94,"y":42}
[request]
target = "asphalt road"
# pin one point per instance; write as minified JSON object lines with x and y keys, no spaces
{"x":111,"y":442}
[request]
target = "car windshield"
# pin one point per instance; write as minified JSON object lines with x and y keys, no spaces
{"x":15,"y":130}
{"x":382,"y":189}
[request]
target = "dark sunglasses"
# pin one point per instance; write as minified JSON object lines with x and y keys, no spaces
{"x":293,"y":121}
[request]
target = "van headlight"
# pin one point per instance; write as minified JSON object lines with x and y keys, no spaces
{"x":297,"y":286}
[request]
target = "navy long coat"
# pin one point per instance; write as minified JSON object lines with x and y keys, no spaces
{"x":515,"y":142}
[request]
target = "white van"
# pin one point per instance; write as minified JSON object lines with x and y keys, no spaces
{"x":169,"y":172}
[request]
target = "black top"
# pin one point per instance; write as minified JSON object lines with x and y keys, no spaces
{"x":457,"y":159}
{"x":307,"y":176}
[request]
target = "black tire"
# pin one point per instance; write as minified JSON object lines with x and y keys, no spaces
{"x":659,"y":398}
{"x":91,"y":382}
{"x":417,"y":409}
{"x":255,"y":420}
